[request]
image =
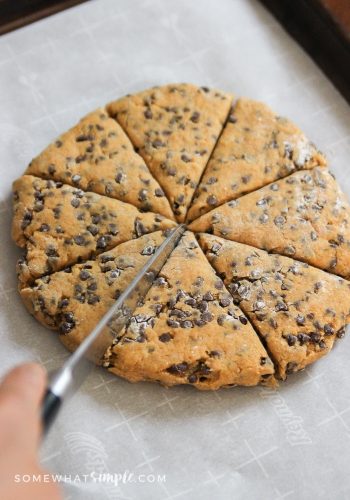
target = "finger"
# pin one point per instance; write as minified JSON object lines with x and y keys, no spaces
{"x":26,"y":383}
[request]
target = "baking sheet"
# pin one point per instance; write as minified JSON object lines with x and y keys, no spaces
{"x":153,"y":442}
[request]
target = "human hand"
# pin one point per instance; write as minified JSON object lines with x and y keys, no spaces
{"x":21,"y":392}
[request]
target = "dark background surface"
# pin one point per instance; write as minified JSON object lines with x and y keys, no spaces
{"x":17,"y":13}
{"x":322,"y":28}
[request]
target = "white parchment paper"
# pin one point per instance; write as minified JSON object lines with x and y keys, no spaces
{"x":243,"y":444}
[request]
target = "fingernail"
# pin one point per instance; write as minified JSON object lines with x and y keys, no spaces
{"x":33,"y":373}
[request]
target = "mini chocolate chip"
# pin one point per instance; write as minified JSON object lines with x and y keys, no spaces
{"x":219,"y":284}
{"x":263,"y":361}
{"x":315,"y":337}
{"x":44,"y":228}
{"x":243,"y":320}
{"x":185,"y":158}
{"x":224,"y":302}
{"x":291,"y":339}
{"x":165,"y":337}
{"x":93,"y":299}
{"x":195,"y":117}
{"x":173,"y":323}
{"x":92,"y":229}
{"x":63,"y":303}
{"x":341,"y":332}
{"x":27,"y":219}
{"x":51,"y":251}
{"x":142,"y":195}
{"x":192,"y":378}
{"x":101,"y":243}
{"x":186,"y":324}
{"x":84,"y":275}
{"x":113,"y":229}
{"x":328,"y":329}
{"x":75,"y":202}
{"x":79,"y":240}
{"x":280,"y":220}
{"x":178,"y":369}
{"x":158,"y":144}
{"x":84,"y":137}
{"x":159,"y":192}
{"x":300,"y":320}
{"x":212,"y":200}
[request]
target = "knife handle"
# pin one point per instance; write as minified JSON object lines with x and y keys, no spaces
{"x":49,"y":409}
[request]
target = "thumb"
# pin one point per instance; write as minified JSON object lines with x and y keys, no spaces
{"x":26,"y":383}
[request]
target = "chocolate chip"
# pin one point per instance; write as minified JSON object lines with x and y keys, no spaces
{"x":75,"y":202}
{"x":142,"y":195}
{"x":195,"y":117}
{"x":328,"y":329}
{"x":113,"y":229}
{"x":148,"y":114}
{"x":212,"y":200}
{"x":185,"y":158}
{"x":300,"y":320}
{"x":291,"y":339}
{"x":92,"y":229}
{"x":84,"y":137}
{"x":281,"y":306}
{"x":27,"y":219}
{"x":96,"y":218}
{"x":224,"y":301}
{"x":280,"y":220}
{"x":173,"y":323}
{"x":63,"y":303}
{"x":140,"y":229}
{"x":178,"y":369}
{"x":315,"y":337}
{"x":148,"y":250}
{"x":79,"y":240}
{"x":263,"y":361}
{"x":243,"y":320}
{"x":51,"y":251}
{"x":207,"y":317}
{"x":219,"y":284}
{"x":101,"y":243}
{"x":44,"y":228}
{"x":186,"y":324}
{"x":158,"y":144}
{"x":341,"y":332}
{"x":84,"y":275}
{"x":208,"y":296}
{"x":192,"y":378}
{"x":165,"y":337}
{"x":159,"y":192}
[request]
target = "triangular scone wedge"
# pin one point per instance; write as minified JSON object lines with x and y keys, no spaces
{"x":304,"y":216}
{"x":74,"y":300}
{"x":96,"y":155}
{"x":255,"y":148}
{"x":297,"y":310}
{"x":189,"y":332}
{"x":59,"y":225}
{"x":174,"y":128}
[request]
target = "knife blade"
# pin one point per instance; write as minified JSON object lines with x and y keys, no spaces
{"x":65,"y":381}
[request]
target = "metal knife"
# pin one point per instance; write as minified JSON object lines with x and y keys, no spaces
{"x":66,"y":380}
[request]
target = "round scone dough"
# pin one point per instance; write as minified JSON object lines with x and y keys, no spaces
{"x":257,"y":287}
